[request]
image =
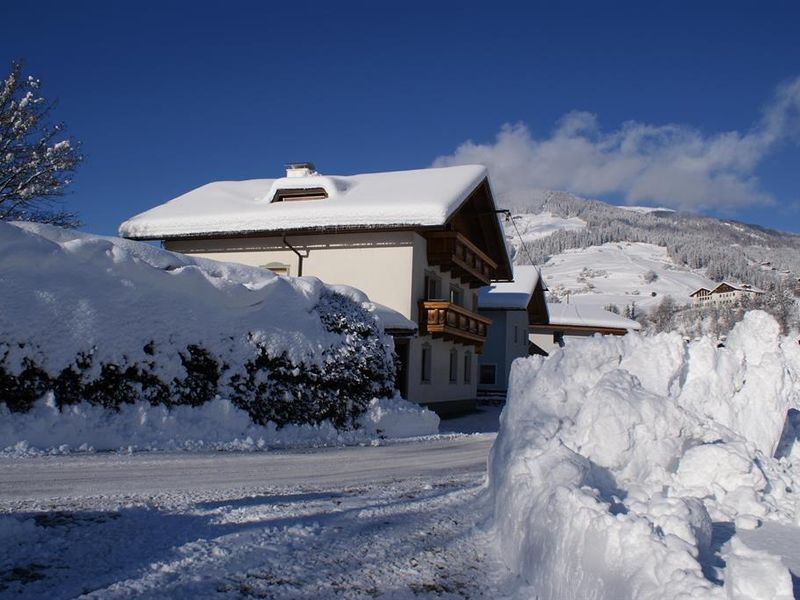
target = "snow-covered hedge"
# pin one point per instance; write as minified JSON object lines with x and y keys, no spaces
{"x":618,"y":457}
{"x":109,"y":322}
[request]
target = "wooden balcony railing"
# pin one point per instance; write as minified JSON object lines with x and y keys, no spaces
{"x":441,"y":318}
{"x":451,"y":251}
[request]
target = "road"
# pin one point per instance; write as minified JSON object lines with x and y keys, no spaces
{"x":401,"y":520}
{"x":76,"y":476}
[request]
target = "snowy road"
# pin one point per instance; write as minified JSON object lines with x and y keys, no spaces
{"x":77,"y":476}
{"x":395,"y":521}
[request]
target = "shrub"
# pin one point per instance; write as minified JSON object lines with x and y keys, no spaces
{"x":336,"y":384}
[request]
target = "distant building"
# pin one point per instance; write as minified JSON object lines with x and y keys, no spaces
{"x":571,"y":321}
{"x":724,"y":293}
{"x":513,"y":307}
{"x":419,"y":242}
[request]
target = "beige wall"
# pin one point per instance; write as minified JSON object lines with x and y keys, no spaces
{"x":379,"y":264}
{"x":389,"y":267}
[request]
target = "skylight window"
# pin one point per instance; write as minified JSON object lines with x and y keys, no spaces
{"x":295,"y":194}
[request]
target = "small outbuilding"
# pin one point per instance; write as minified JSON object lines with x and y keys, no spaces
{"x":513,"y":308}
{"x":571,"y":321}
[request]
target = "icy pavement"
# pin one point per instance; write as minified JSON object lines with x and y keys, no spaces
{"x":396,"y":521}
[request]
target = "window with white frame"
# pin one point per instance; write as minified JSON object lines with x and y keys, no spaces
{"x":426,"y":364}
{"x":456,"y":295}
{"x":277,"y":268}
{"x":432,"y":286}
{"x":453,"y":366}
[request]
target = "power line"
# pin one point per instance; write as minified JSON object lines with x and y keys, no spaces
{"x":519,"y":235}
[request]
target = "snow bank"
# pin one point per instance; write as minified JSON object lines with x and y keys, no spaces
{"x":181,"y":350}
{"x":618,"y":457}
{"x":215,"y":425}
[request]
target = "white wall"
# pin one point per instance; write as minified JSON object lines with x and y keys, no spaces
{"x":440,"y":389}
{"x":501,"y":348}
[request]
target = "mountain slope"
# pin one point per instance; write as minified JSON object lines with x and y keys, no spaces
{"x":564,"y":234}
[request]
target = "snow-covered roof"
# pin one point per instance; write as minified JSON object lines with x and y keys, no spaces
{"x":512,"y":295}
{"x":743,"y":287}
{"x":423,"y":197}
{"x":588,"y":316}
{"x":393,"y":320}
{"x":698,"y":290}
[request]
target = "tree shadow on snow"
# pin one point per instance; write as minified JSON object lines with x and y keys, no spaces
{"x":64,"y":554}
{"x":269,"y":499}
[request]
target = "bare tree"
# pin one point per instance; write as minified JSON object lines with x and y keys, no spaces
{"x":37,"y":159}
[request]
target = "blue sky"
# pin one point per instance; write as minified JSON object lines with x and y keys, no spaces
{"x":610,"y":101}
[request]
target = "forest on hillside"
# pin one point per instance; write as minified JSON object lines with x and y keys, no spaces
{"x":724,"y":249}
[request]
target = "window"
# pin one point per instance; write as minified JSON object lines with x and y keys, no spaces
{"x":488,"y":375}
{"x":287,"y":195}
{"x":426,"y":363}
{"x":453,"y":365}
{"x":277,"y":268}
{"x":516,"y":334}
{"x":456,"y":295}
{"x":432,"y":287}
{"x":475,"y":301}
{"x":468,"y":367}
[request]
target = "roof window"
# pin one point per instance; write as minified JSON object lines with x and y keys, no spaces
{"x":295,"y":194}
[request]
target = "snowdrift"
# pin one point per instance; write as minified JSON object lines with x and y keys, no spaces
{"x":92,"y":323}
{"x":621,"y":461}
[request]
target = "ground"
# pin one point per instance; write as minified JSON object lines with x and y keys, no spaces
{"x":404,"y":520}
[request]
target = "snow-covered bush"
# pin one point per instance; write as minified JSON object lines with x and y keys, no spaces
{"x":617,"y":457}
{"x":113,"y":322}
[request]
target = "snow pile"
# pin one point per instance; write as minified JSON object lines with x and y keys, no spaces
{"x":215,"y":425}
{"x":182,"y":349}
{"x":618,"y":458}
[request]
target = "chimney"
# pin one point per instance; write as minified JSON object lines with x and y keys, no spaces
{"x":300,"y":169}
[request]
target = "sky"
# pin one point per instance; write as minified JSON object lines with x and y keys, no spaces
{"x":689,"y":105}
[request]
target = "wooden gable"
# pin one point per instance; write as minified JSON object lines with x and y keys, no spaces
{"x":476,"y":219}
{"x":722,"y":288}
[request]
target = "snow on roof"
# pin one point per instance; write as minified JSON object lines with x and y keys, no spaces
{"x":512,"y":295}
{"x":588,"y":316}
{"x":698,"y":290}
{"x":742,"y":287}
{"x":423,"y":197}
{"x":393,"y":320}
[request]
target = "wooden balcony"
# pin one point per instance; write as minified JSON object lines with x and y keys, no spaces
{"x":452,"y":252}
{"x":444,"y":319}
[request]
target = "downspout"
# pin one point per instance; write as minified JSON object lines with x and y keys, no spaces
{"x":299,"y":256}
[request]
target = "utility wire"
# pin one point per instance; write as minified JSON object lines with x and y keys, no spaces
{"x":519,"y":235}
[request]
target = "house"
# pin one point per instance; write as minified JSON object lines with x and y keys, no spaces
{"x":723,"y":294}
{"x":571,"y":321}
{"x":419,"y":242}
{"x":513,"y":307}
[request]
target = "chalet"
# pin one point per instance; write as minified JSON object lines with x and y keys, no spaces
{"x":418,"y":242}
{"x":570,"y":321}
{"x":723,"y":294}
{"x":513,"y":307}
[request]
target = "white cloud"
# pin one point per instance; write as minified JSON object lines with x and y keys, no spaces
{"x":670,"y":165}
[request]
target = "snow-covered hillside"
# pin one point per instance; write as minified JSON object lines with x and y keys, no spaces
{"x":621,"y":274}
{"x":536,"y":226}
{"x":647,"y":468}
{"x":713,"y":248}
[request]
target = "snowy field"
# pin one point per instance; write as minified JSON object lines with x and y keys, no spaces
{"x":614,"y":273}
